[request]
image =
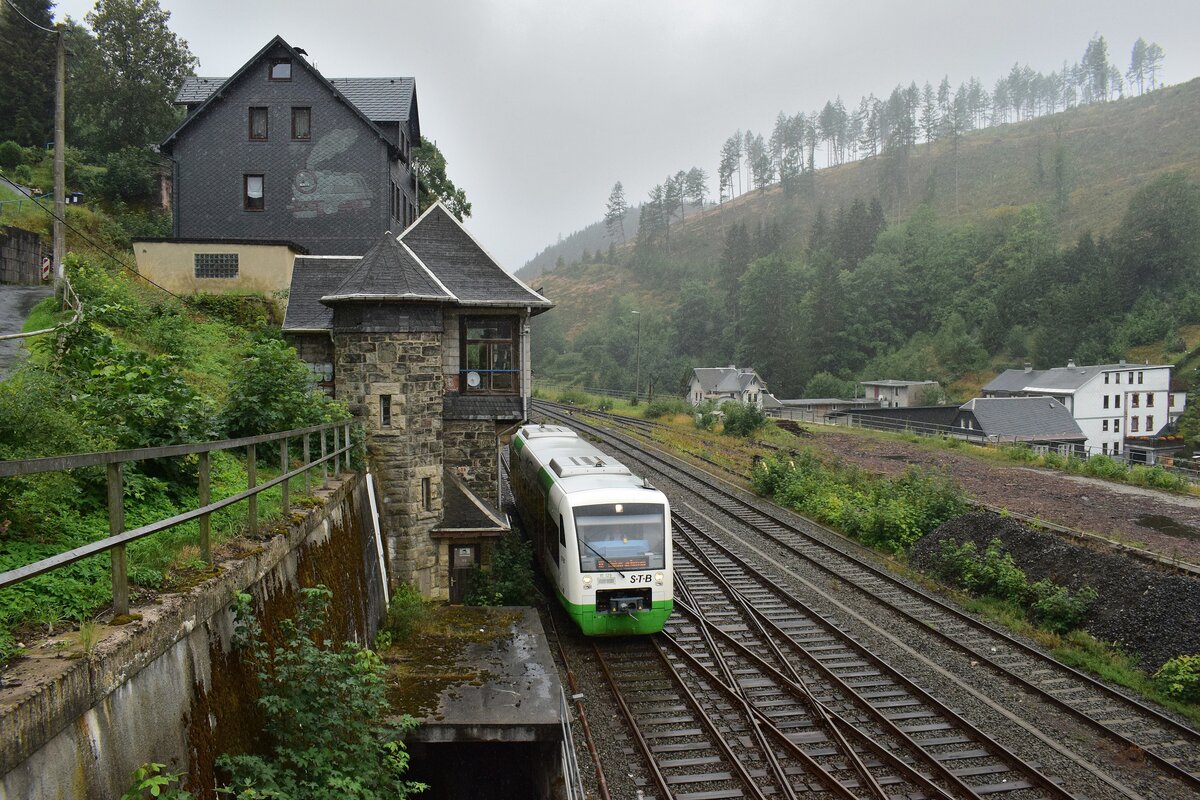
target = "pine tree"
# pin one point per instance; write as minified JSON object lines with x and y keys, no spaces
{"x":614,"y":214}
{"x":1137,"y":66}
{"x":26,"y":73}
{"x":696,"y":186}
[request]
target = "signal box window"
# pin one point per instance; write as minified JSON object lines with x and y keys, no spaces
{"x":302,"y":124}
{"x":258,"y":124}
{"x":281,"y":69}
{"x":252,"y":192}
{"x":489,"y":355}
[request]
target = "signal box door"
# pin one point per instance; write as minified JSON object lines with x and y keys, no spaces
{"x":463,"y":560}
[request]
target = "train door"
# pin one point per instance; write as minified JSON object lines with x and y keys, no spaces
{"x":463,"y":560}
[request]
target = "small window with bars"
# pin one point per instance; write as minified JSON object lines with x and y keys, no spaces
{"x":216,"y":265}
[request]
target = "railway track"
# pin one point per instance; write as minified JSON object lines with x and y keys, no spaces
{"x":794,"y":550}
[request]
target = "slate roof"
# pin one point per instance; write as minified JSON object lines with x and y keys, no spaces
{"x":313,"y":277}
{"x":463,"y":510}
{"x":380,"y":99}
{"x":443,"y":245}
{"x":897,"y":383}
{"x":435,"y":260}
{"x":389,"y":271}
{"x":1024,"y":418}
{"x":1056,"y":380}
{"x":491,"y":407}
{"x":724,"y":379}
{"x":204,"y":91}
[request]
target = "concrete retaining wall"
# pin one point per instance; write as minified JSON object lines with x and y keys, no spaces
{"x":169,"y":688}
{"x":21,"y":254}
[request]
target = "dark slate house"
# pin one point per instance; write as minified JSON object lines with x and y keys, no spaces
{"x":1040,"y":422}
{"x":426,"y":338}
{"x":279,"y":152}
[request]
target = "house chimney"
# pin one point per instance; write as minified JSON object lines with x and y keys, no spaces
{"x":1028,"y":367}
{"x":1121,"y":362}
{"x":1071,"y":363}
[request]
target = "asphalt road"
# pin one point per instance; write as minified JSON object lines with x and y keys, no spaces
{"x":15,"y":304}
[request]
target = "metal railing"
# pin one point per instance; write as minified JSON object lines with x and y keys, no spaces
{"x":972,"y":436}
{"x":572,"y":779}
{"x":117,"y":540}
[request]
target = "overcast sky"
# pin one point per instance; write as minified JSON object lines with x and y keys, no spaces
{"x":541,"y":106}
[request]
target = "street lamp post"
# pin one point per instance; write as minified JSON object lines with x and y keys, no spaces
{"x":637,"y":381}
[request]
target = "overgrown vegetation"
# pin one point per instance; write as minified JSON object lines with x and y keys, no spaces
{"x":138,"y":369}
{"x":509,"y":579}
{"x":1179,"y":678}
{"x":325,"y":706}
{"x":887,"y":513}
{"x":742,"y":419}
{"x":994,"y":574}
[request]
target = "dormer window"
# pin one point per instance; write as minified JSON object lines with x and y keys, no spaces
{"x":281,"y":69}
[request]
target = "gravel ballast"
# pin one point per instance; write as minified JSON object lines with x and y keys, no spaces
{"x":1151,"y":613}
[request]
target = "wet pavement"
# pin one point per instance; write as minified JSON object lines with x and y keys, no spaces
{"x":15,"y":304}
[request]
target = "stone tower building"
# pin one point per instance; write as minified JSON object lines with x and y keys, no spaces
{"x":426,"y":339}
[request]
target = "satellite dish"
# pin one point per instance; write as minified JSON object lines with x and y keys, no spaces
{"x":473,"y":380}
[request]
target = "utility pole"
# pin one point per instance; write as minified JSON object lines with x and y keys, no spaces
{"x":637,"y":381}
{"x":60,"y":145}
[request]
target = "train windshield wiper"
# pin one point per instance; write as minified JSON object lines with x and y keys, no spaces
{"x":602,"y":558}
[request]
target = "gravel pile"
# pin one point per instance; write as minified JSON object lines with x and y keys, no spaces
{"x":1152,"y":614}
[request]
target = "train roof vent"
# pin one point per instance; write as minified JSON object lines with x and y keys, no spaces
{"x":548,"y":431}
{"x":586,"y":465}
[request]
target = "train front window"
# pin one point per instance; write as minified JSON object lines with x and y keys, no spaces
{"x":620,"y":536}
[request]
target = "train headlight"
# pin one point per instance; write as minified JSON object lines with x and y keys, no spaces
{"x":658,"y":579}
{"x":587,"y":581}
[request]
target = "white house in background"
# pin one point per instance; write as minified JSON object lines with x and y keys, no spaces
{"x":726,"y":383}
{"x":900,"y":394}
{"x":1119,"y":407}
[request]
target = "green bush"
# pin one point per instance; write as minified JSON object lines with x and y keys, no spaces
{"x":666,"y":407}
{"x":1106,"y":467}
{"x":706,"y":415}
{"x":1019,"y":452}
{"x":742,"y":419}
{"x":890,"y":514}
{"x":509,"y":580}
{"x":1056,"y":608}
{"x":11,"y":155}
{"x":995,"y":574}
{"x":573,"y":396}
{"x":325,"y":707}
{"x":274,"y":391}
{"x":406,"y":611}
{"x":1180,"y":678}
{"x":131,"y":176}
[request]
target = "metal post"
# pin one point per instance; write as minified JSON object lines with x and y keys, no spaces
{"x":346,"y":439}
{"x":324,"y":464}
{"x":60,"y":170}
{"x":307,"y":461}
{"x":337,"y":457}
{"x":283,"y":468}
{"x":637,"y":381}
{"x":206,"y":520}
{"x":252,"y":480}
{"x":116,"y":524}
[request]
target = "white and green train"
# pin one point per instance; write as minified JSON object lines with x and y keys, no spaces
{"x":601,"y":534}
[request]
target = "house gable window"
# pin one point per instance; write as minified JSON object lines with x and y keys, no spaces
{"x":301,"y":124}
{"x":1149,"y":399}
{"x":1104,"y":425}
{"x":253,"y":189}
{"x":1106,"y":401}
{"x":488,"y":355}
{"x":1150,"y":424}
{"x":1116,"y":426}
{"x":280,"y":70}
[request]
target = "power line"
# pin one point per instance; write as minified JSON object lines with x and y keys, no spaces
{"x":27,"y":19}
{"x":131,"y":270}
